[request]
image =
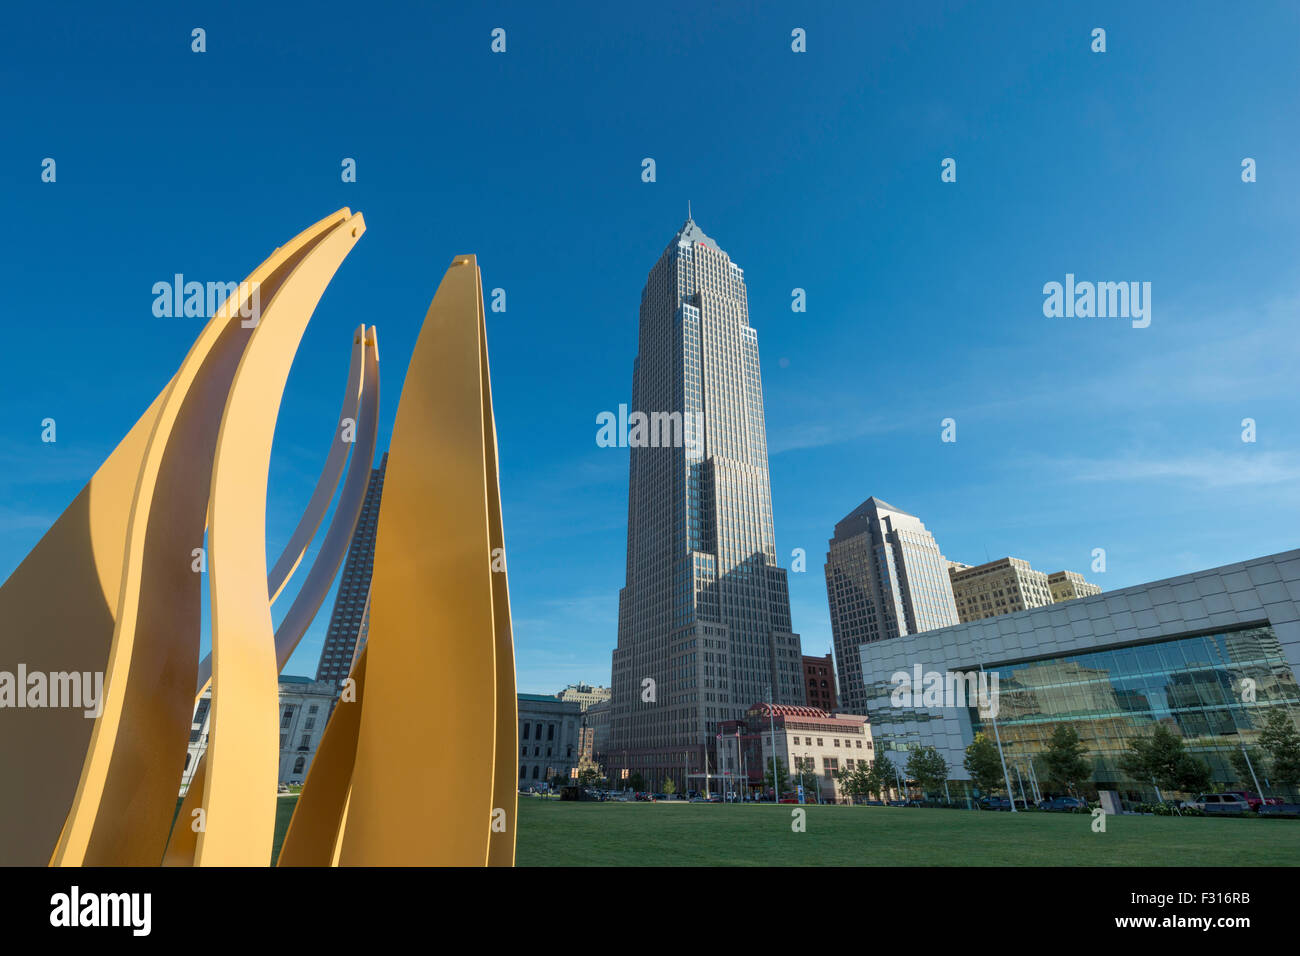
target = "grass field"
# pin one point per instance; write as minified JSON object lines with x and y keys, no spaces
{"x":552,"y":833}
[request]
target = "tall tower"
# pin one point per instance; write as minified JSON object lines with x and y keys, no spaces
{"x":704,"y":618}
{"x":885,"y":577}
{"x":350,"y":618}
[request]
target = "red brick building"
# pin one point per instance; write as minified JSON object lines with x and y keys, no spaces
{"x":819,"y":682}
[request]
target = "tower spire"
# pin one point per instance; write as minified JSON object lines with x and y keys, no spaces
{"x":688,"y":211}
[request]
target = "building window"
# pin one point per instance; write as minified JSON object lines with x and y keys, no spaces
{"x":299,"y":764}
{"x":550,"y":731}
{"x":526,"y":726}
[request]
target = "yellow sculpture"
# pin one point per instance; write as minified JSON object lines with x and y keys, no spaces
{"x":113,"y":588}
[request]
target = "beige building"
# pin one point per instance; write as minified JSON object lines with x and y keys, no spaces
{"x":1009,"y":585}
{"x":1068,"y":585}
{"x":831,"y":741}
{"x":998,"y":587}
{"x":304,"y":711}
{"x":584,"y":694}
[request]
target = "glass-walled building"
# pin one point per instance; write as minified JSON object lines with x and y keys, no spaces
{"x":1213,"y":690}
{"x":1208,"y":655}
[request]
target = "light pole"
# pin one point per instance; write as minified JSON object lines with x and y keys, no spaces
{"x":979,"y":649}
{"x":771,"y":713}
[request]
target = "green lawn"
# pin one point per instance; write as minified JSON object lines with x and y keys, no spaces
{"x":284,"y":805}
{"x":554,"y":833}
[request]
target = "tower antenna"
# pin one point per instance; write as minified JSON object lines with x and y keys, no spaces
{"x":688,"y":210}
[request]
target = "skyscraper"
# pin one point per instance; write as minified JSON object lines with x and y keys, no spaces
{"x":885,"y":577}
{"x":350,"y":618}
{"x":704,"y":618}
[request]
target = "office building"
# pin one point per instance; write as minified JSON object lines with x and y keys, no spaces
{"x":346,"y":634}
{"x":831,"y":742}
{"x":548,"y":739}
{"x":597,"y":721}
{"x":584,"y":694}
{"x":819,"y":682}
{"x":885,"y":578}
{"x":1207,"y":655}
{"x":304,"y":710}
{"x":997,"y":587}
{"x":1009,"y":585}
{"x":198,"y":745}
{"x":1068,"y":585}
{"x":704,"y":617}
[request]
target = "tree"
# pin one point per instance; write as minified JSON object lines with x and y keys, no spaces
{"x":882,"y":776}
{"x":861,"y":779}
{"x":1162,"y":759}
{"x":1280,"y":739}
{"x":589,"y":772}
{"x":1064,"y":759}
{"x":854,"y":783}
{"x":1243,"y":767}
{"x":984,"y":765}
{"x":806,"y":770}
{"x":782,"y":777}
{"x":843,"y":778}
{"x":928,"y":768}
{"x":669,"y":786}
{"x":636,"y":782}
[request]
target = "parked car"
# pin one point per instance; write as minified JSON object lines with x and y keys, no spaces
{"x":1064,"y":805}
{"x":986,"y":803}
{"x":1220,"y":803}
{"x":1280,"y":809}
{"x":1254,"y":800}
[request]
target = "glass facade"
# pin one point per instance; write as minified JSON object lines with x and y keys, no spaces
{"x":1213,"y":690}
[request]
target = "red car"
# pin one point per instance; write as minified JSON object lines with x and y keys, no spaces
{"x":1254,"y":800}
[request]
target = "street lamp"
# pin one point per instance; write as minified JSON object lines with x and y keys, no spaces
{"x":978,"y":645}
{"x":771,"y":713}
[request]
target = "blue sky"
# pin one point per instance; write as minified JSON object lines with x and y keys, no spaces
{"x":818,"y":170}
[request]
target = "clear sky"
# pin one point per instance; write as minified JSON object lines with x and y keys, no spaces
{"x":817,"y":170}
